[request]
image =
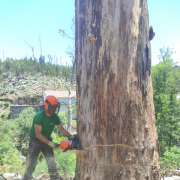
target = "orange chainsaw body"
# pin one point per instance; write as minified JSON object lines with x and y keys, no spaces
{"x":65,"y":145}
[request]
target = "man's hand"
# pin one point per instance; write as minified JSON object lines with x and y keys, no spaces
{"x":53,"y":145}
{"x":64,"y":131}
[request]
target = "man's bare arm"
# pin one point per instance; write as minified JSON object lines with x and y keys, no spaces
{"x":64,"y":131}
{"x":39,"y":135}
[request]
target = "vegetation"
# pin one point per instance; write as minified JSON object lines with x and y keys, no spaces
{"x":14,"y":146}
{"x":20,"y":66}
{"x":14,"y":132}
{"x":170,"y":160}
{"x":21,"y":78}
{"x":10,"y":157}
{"x":166,"y":86}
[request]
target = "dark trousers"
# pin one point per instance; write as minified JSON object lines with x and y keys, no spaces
{"x":35,"y":147}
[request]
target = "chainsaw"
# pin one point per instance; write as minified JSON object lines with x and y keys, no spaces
{"x":72,"y":143}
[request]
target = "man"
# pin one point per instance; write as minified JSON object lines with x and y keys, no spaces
{"x":40,"y":138}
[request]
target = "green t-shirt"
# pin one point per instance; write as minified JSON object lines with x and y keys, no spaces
{"x":47,"y":124}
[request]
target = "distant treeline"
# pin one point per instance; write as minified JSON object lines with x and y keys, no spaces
{"x":21,"y":66}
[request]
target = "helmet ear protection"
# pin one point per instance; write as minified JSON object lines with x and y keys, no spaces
{"x":49,"y":106}
{"x":58,"y":108}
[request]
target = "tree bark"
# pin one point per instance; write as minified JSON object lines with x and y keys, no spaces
{"x":114,"y":92}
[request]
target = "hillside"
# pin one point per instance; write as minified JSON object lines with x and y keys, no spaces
{"x":26,"y":79}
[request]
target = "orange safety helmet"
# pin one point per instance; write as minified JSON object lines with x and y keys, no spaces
{"x":51,"y":105}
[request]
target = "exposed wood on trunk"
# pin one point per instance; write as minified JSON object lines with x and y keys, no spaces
{"x":114,"y":91}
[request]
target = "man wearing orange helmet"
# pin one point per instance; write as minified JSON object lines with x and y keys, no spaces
{"x":40,"y":138}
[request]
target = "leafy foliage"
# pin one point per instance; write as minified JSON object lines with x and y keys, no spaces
{"x":66,"y":162}
{"x":22,"y":130}
{"x":166,"y":86}
{"x":170,"y":159}
{"x":165,"y":78}
{"x":10,"y":157}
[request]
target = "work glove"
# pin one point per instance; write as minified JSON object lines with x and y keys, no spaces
{"x":53,"y":145}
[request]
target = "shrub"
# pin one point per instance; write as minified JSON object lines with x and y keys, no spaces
{"x":170,"y":160}
{"x":22,"y":130}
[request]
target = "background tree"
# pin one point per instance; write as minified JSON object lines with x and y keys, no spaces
{"x":166,"y":84}
{"x":114,"y":92}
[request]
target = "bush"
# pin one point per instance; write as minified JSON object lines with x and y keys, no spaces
{"x":10,"y":158}
{"x":170,"y":160}
{"x":22,"y":130}
{"x":66,"y":162}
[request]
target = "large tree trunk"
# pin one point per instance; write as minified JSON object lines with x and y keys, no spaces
{"x":115,"y":102}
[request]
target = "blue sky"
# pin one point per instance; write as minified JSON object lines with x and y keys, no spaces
{"x":32,"y":21}
{"x":164,"y":16}
{"x":27,"y":21}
